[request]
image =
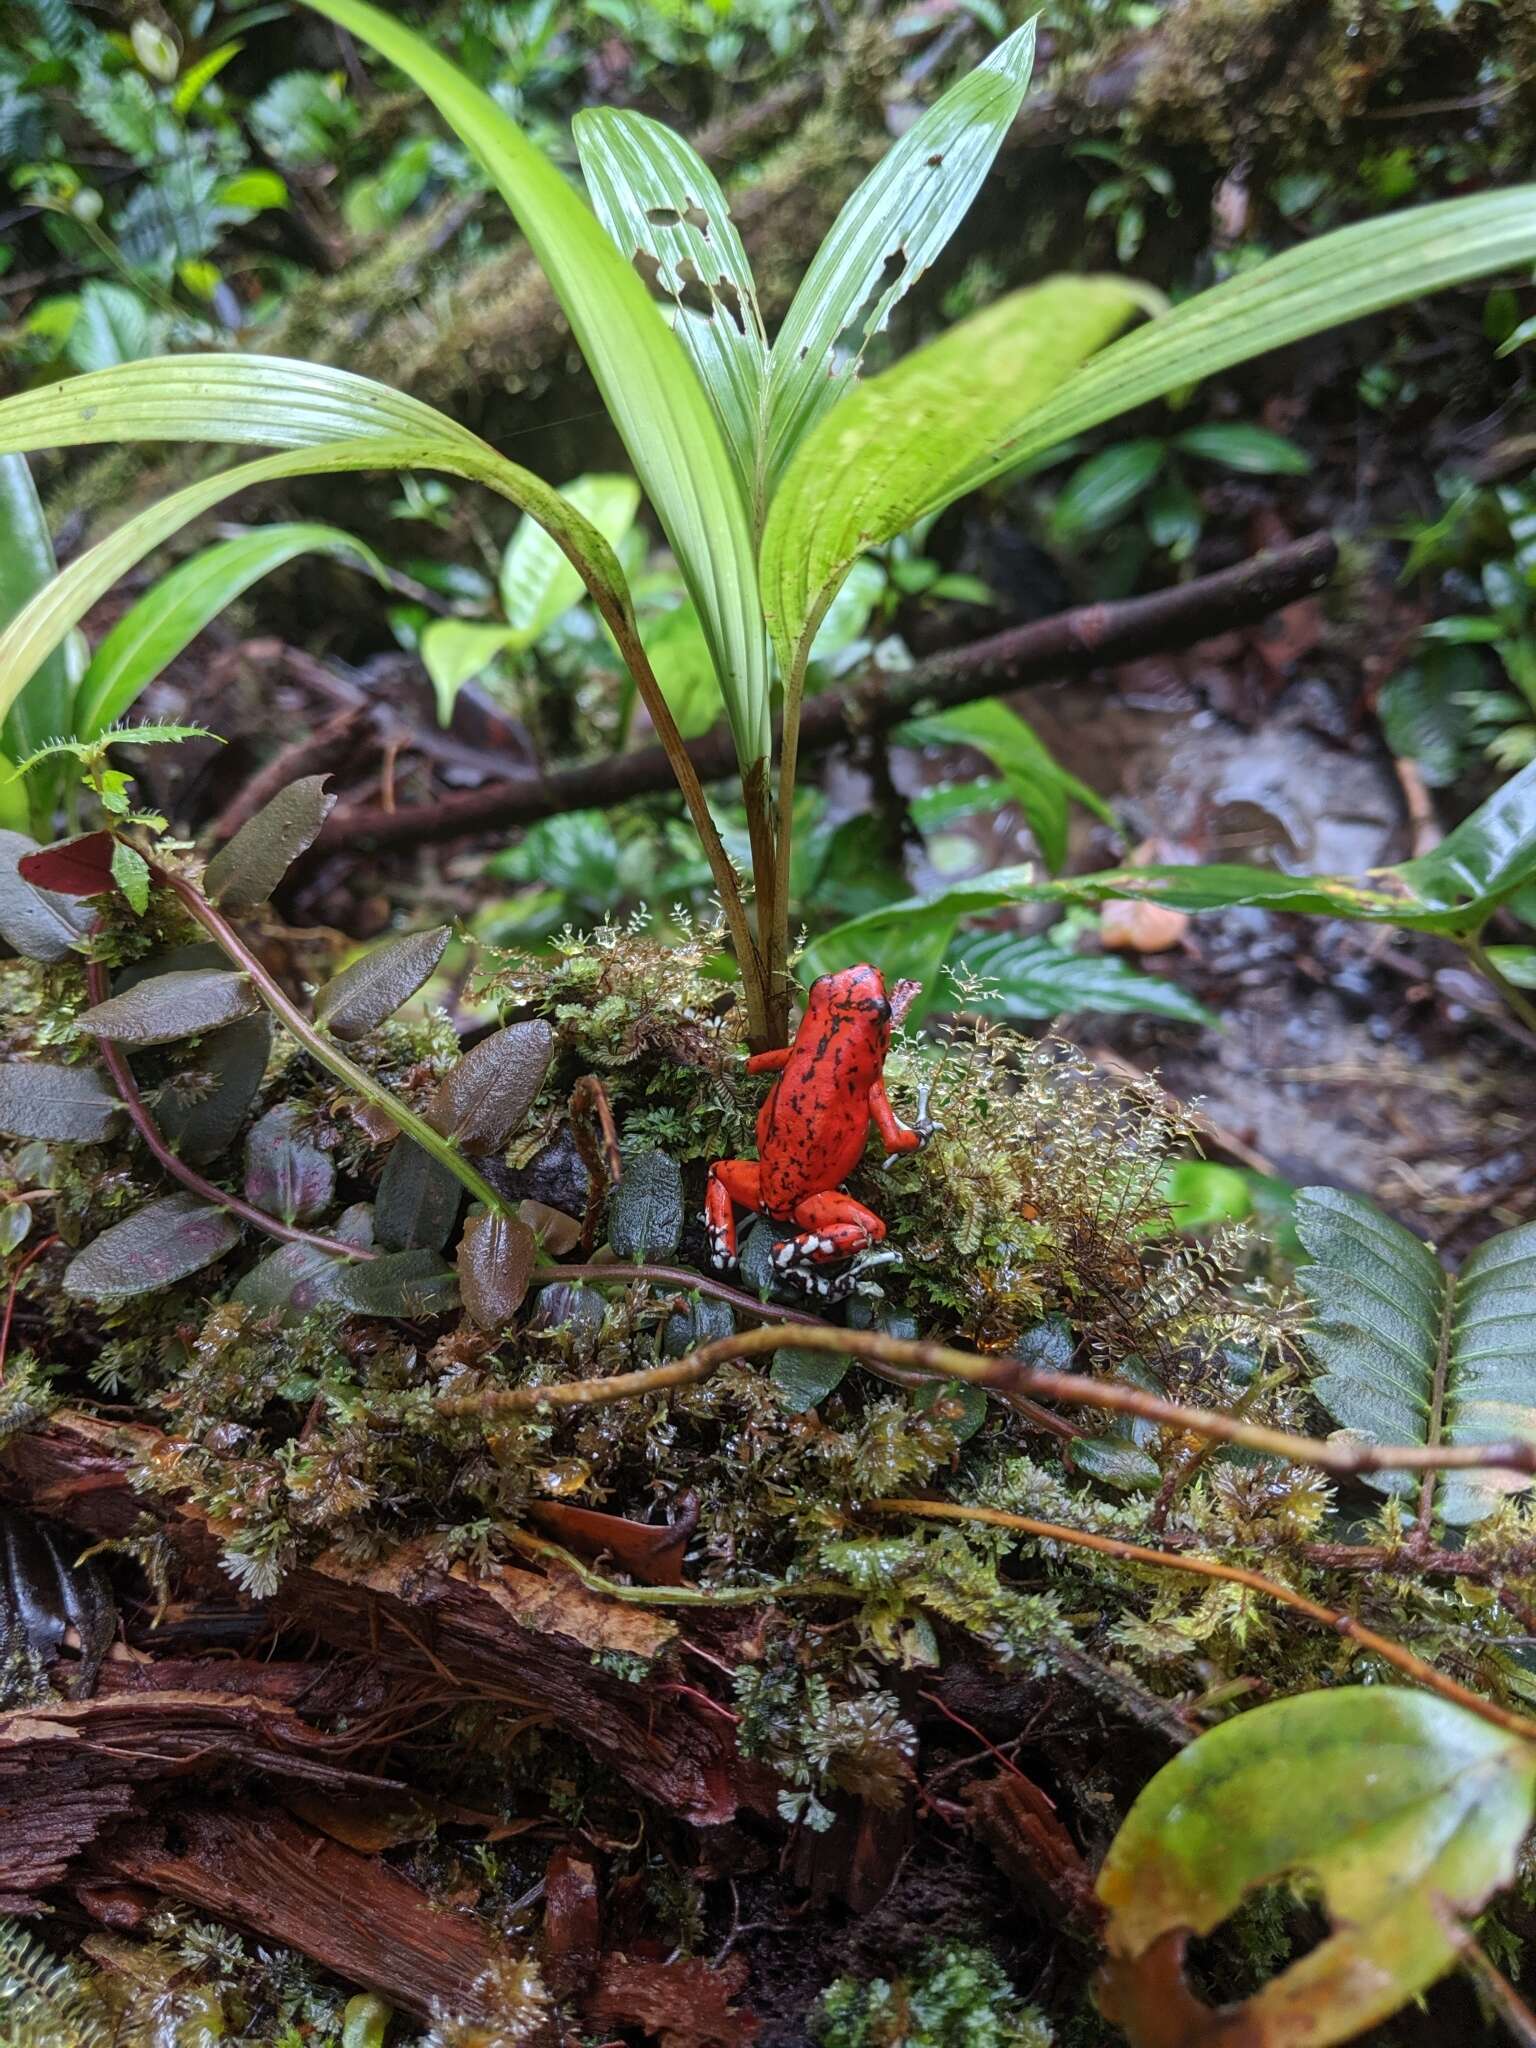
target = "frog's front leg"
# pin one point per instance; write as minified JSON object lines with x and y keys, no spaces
{"x":894,"y":1135}
{"x":831,"y":1226}
{"x":731,"y":1182}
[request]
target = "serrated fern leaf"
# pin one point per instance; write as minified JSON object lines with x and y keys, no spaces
{"x":1413,"y":1354}
{"x":44,"y":2003}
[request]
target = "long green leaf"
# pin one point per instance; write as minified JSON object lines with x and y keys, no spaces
{"x":903,"y":444}
{"x":331,"y":421}
{"x":1037,"y":782}
{"x":1028,"y":975}
{"x":536,"y":582}
{"x":1413,"y":1354}
{"x":886,"y":236}
{"x":646,"y":380}
{"x":1337,"y":277}
{"x":41,"y":712}
{"x":1455,"y":889}
{"x":663,"y":206}
{"x":181,"y":604}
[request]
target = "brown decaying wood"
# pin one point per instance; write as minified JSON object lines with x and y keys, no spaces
{"x":1072,"y":643}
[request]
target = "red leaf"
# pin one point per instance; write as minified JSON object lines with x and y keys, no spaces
{"x":75,"y":867}
{"x":649,"y":1551}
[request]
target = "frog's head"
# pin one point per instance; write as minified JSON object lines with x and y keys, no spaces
{"x":851,"y":995}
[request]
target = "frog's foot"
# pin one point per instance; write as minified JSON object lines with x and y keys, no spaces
{"x":923,"y":1129}
{"x":733,"y":1183}
{"x":833,"y":1227}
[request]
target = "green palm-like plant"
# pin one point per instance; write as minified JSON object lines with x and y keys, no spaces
{"x":769,"y":466}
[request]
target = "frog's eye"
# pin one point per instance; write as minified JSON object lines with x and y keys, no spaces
{"x":881,"y":1009}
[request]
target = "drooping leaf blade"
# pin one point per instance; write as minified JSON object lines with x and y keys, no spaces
{"x":1413,"y":1354}
{"x":663,"y":207}
{"x":1407,"y":1810}
{"x":166,"y":1007}
{"x":175,"y":610}
{"x":536,"y":581}
{"x":646,"y":380}
{"x":886,"y":236}
{"x":244,"y":873}
{"x":904,"y":444}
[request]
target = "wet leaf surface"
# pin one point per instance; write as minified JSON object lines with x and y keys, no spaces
{"x":75,"y":1105}
{"x":496,"y":1261}
{"x":649,"y":1551}
{"x":244,"y":873}
{"x":159,"y":1244}
{"x":1408,"y":1811}
{"x":171,"y":1006}
{"x":645,"y":1210}
{"x":286,"y":1172}
{"x":356,"y":1001}
{"x":701,"y":1322}
{"x":480,"y":1102}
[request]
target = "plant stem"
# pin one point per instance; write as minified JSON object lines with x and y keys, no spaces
{"x":1007,"y":1376}
{"x":328,"y":1055}
{"x":1238,"y":1575}
{"x":1515,"y":999}
{"x":116,"y":1063}
{"x":679,"y":1596}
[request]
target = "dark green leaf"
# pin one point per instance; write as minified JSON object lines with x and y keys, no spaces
{"x":1413,"y":1354}
{"x":244,"y":873}
{"x":296,"y":1275}
{"x":805,"y":1378}
{"x":1423,"y":713}
{"x":37,"y":923}
{"x":357,"y":1000}
{"x":418,"y":1199}
{"x":563,"y":1305}
{"x":1406,"y":1810}
{"x":1106,"y":485}
{"x":202,"y":1106}
{"x":496,"y":1259}
{"x":156,"y":1246}
{"x":1037,"y":782}
{"x":1253,"y":450}
{"x":407,"y":1284}
{"x":645,"y":1210}
{"x":480,"y":1102}
{"x":171,"y":1006}
{"x":961,"y":1407}
{"x":1116,"y":1461}
{"x":701,"y":1322}
{"x":72,"y":1105}
{"x":286,"y":1173}
{"x":1031,"y":977}
{"x":1047,"y":1345}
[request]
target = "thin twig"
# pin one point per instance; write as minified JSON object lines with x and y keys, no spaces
{"x":1009,"y":1376}
{"x":116,"y":1064}
{"x":1238,"y":1575}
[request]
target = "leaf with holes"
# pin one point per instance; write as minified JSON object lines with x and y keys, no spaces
{"x":663,"y":207}
{"x":357,"y":1001}
{"x":480,"y":1102}
{"x":645,"y":1210}
{"x":244,"y":873}
{"x":286,"y":1172}
{"x":890,"y":231}
{"x":1407,"y":1811}
{"x":418,"y":1199}
{"x":172,"y":1006}
{"x":1413,"y":1354}
{"x":159,"y":1244}
{"x":496,"y":1258}
{"x":70,"y":1105}
{"x":37,"y":923}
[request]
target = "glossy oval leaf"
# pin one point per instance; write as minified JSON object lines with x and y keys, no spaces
{"x":1253,"y":451}
{"x":886,"y":236}
{"x":159,"y":1244}
{"x":244,"y":873}
{"x":663,"y":208}
{"x":286,"y":1173}
{"x":1406,"y":1810}
{"x":418,"y":1200}
{"x":179,"y":605}
{"x":454,"y":651}
{"x":40,"y":924}
{"x":1334,"y":278}
{"x":71,"y":1105}
{"x":171,"y":1006}
{"x":1414,"y":1354}
{"x":496,"y":1258}
{"x":904,"y":444}
{"x":1103,"y":488}
{"x":645,"y":1210}
{"x":646,"y":381}
{"x":482,"y":1100}
{"x":357,"y":1001}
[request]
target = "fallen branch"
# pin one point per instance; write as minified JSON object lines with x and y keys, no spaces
{"x":1342,"y":1457}
{"x":1238,"y":1575}
{"x":1047,"y":650}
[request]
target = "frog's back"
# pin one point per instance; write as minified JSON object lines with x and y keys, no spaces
{"x":813,"y":1127}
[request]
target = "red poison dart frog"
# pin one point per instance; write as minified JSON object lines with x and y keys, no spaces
{"x":812,"y":1129}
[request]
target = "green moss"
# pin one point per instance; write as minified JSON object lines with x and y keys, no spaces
{"x":958,"y":1997}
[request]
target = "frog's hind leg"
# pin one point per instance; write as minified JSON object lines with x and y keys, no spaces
{"x":732,"y":1183}
{"x":831,"y":1227}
